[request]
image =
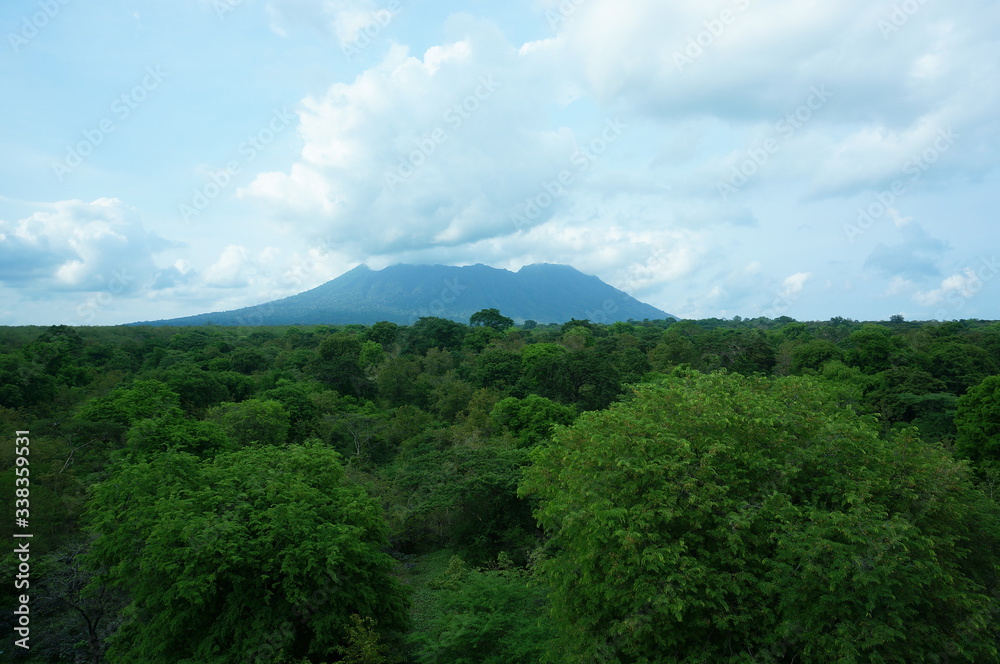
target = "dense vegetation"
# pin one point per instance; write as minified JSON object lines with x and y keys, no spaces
{"x":657,"y":491}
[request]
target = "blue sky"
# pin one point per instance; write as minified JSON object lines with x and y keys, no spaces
{"x":740,"y":157}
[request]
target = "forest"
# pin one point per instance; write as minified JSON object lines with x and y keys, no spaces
{"x":695,"y":491}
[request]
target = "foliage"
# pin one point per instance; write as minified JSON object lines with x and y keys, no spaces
{"x":263,"y":552}
{"x":442,"y":493}
{"x":491,"y":318}
{"x":978,"y":423}
{"x":364,"y":644}
{"x":254,"y":421}
{"x":432,"y":332}
{"x":721,"y":518}
{"x":485,"y":616}
{"x":437,"y":419}
{"x":531,"y":419}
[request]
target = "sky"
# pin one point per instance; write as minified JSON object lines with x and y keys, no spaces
{"x":803,"y":158}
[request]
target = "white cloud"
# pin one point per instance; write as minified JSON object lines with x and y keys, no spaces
{"x":348,"y":21}
{"x":959,"y":286}
{"x":899,"y":286}
{"x":792,"y":285}
{"x":421,"y":152}
{"x":79,"y":246}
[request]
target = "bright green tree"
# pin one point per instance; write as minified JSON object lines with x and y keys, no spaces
{"x":723,"y":518}
{"x":262,"y":554}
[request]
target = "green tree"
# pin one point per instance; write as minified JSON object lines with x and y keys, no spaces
{"x":814,"y":354}
{"x":23,"y":382}
{"x":531,"y":419}
{"x":485,"y":616}
{"x":384,"y":333}
{"x":254,"y":421}
{"x":433,"y":332}
{"x":257,"y":555}
{"x":443,"y":494}
{"x":371,"y":355}
{"x":298,"y":403}
{"x":339,"y":363}
{"x":723,"y":518}
{"x":174,"y":432}
{"x":978,"y":422}
{"x":198,"y":389}
{"x":365,"y":645}
{"x":496,"y":367}
{"x":491,"y":318}
{"x":127,"y":404}
{"x":875,"y":348}
{"x":248,"y":360}
{"x":959,"y":365}
{"x":480,"y":337}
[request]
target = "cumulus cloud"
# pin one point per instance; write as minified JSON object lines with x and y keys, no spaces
{"x":596,"y":133}
{"x":442,"y":152}
{"x":79,"y":246}
{"x":961,"y":285}
{"x":437,"y":150}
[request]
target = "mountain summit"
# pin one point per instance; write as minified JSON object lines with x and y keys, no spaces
{"x":401,"y":294}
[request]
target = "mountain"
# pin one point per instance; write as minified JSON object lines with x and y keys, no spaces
{"x":401,"y":294}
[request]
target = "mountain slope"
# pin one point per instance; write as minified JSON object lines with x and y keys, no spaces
{"x":403,"y":293}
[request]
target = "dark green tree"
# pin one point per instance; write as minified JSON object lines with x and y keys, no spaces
{"x":978,"y":423}
{"x":875,"y":348}
{"x":383,"y":332}
{"x":497,"y":368}
{"x":491,"y":318}
{"x":248,"y":360}
{"x":432,"y":332}
{"x":814,"y":354}
{"x":959,"y":365}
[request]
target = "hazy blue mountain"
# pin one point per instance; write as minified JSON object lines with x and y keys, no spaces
{"x":403,"y":293}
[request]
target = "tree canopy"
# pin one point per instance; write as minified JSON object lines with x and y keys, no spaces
{"x":256,"y":555}
{"x":723,"y":518}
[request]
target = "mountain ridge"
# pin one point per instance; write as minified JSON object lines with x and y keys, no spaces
{"x":403,"y":293}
